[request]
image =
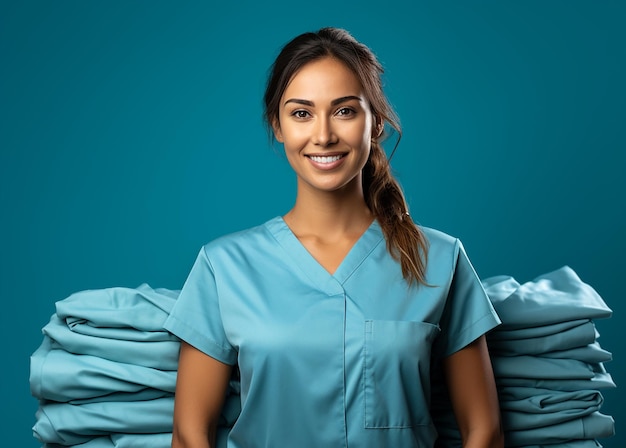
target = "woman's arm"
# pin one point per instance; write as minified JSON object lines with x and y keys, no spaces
{"x":474,"y":397}
{"x":200,"y":390}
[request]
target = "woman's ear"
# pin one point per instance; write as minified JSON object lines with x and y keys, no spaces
{"x":379,"y":127}
{"x":278,"y":135}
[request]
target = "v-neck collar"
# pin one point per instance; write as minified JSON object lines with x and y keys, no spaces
{"x":330,"y":283}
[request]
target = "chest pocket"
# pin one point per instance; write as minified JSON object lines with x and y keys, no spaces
{"x":396,"y":373}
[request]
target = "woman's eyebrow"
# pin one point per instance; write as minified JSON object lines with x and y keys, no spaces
{"x":334,"y":102}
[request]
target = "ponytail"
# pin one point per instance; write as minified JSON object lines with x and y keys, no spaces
{"x":405,"y":241}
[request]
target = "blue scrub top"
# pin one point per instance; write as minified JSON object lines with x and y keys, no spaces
{"x":339,"y":360}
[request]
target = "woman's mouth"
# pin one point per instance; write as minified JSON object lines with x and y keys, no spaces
{"x":328,"y":162}
{"x":325,"y":159}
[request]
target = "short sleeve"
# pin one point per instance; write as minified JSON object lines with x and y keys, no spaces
{"x":196,"y":316}
{"x":468,"y":312}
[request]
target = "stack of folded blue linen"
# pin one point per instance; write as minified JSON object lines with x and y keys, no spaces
{"x":548,"y":364}
{"x":105,"y":373}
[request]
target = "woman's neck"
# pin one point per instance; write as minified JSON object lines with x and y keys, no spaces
{"x":329,"y":215}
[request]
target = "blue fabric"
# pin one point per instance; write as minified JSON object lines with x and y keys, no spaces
{"x":580,"y":443}
{"x":557,"y":296}
{"x":73,"y":424}
{"x":504,"y":335}
{"x":143,"y":308}
{"x":91,"y":377}
{"x":600,"y":381}
{"x":535,"y":367}
{"x":591,"y":354}
{"x":162,"y":440}
{"x":514,"y":420}
{"x":88,"y":399}
{"x":593,"y":426}
{"x":301,"y":335}
{"x":580,"y":335}
{"x":547,"y":363}
{"x":543,"y":401}
{"x":160,"y":354}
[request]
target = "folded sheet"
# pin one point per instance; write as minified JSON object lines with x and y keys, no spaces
{"x":593,"y":426}
{"x":61,"y":376}
{"x":524,"y":421}
{"x":534,"y":367}
{"x":163,"y":440}
{"x":554,"y":297}
{"x":581,"y":443}
{"x":545,"y":401}
{"x":591,"y":354}
{"x":524,"y":333}
{"x":157,"y":354}
{"x":142,"y":309}
{"x":600,"y":381}
{"x":159,"y":440}
{"x":580,"y":335}
{"x":67,"y":424}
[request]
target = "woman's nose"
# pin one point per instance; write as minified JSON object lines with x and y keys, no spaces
{"x":323,"y":134}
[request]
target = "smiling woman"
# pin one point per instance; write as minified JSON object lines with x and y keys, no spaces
{"x":331,"y":315}
{"x":325,"y":124}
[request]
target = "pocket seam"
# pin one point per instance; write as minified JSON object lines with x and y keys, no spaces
{"x":430,"y":331}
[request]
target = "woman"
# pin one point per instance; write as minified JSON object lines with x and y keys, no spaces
{"x":331,"y":313}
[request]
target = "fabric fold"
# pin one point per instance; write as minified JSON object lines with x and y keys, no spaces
{"x":91,"y":376}
{"x":551,"y":298}
{"x":564,"y":337}
{"x":73,"y":424}
{"x":593,"y":426}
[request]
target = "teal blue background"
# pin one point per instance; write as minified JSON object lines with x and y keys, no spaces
{"x":130,"y":134}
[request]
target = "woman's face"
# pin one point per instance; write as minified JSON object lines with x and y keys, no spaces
{"x":325,"y":124}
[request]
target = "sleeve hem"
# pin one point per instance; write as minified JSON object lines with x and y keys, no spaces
{"x":207,"y":346}
{"x":482,"y":326}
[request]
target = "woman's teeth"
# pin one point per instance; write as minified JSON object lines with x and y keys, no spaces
{"x":325,"y":159}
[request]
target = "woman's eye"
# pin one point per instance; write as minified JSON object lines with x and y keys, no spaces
{"x":300,"y":114}
{"x":345,"y":112}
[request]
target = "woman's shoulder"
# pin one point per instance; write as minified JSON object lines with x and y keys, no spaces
{"x":438,"y":238}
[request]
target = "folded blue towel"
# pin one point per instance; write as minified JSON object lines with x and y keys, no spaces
{"x":89,"y":377}
{"x":534,"y":367}
{"x":157,"y":354}
{"x":580,"y":335}
{"x":600,"y":380}
{"x":73,"y":424}
{"x":580,"y":443}
{"x":593,"y":426}
{"x":525,"y":421}
{"x":142,"y":308}
{"x":543,"y":401}
{"x":591,"y":354}
{"x":555,"y":297}
{"x":161,"y":440}
{"x":521,"y":334}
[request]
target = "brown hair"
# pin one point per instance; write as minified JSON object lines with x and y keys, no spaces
{"x":383,"y":194}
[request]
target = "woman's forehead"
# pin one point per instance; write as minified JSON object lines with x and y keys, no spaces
{"x":324,"y":78}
